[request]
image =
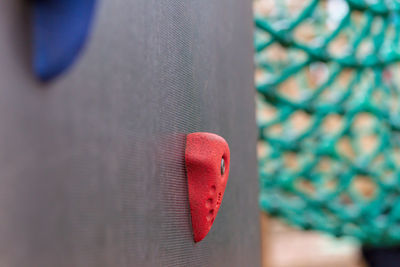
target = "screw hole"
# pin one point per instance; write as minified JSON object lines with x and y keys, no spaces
{"x":209,"y":203}
{"x":222,"y":166}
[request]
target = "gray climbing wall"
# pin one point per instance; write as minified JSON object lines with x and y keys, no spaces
{"x":91,"y":165}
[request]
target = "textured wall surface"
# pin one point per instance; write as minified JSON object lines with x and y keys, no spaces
{"x":91,"y":165}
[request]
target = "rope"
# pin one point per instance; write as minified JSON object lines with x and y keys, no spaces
{"x":328,"y":111}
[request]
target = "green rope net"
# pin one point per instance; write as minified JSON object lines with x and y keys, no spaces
{"x":328,"y":110}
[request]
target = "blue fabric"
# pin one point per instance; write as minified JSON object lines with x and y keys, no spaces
{"x":60,"y":28}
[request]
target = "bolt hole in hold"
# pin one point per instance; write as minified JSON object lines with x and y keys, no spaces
{"x":222,"y":166}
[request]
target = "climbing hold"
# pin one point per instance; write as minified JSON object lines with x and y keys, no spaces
{"x":60,"y":28}
{"x":207,"y":167}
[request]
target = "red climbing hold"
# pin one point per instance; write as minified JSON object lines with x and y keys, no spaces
{"x":207,"y":167}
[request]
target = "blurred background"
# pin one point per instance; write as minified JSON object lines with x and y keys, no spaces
{"x":286,"y":246}
{"x":327,"y":111}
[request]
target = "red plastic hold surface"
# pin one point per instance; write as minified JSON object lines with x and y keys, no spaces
{"x":207,"y":166}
